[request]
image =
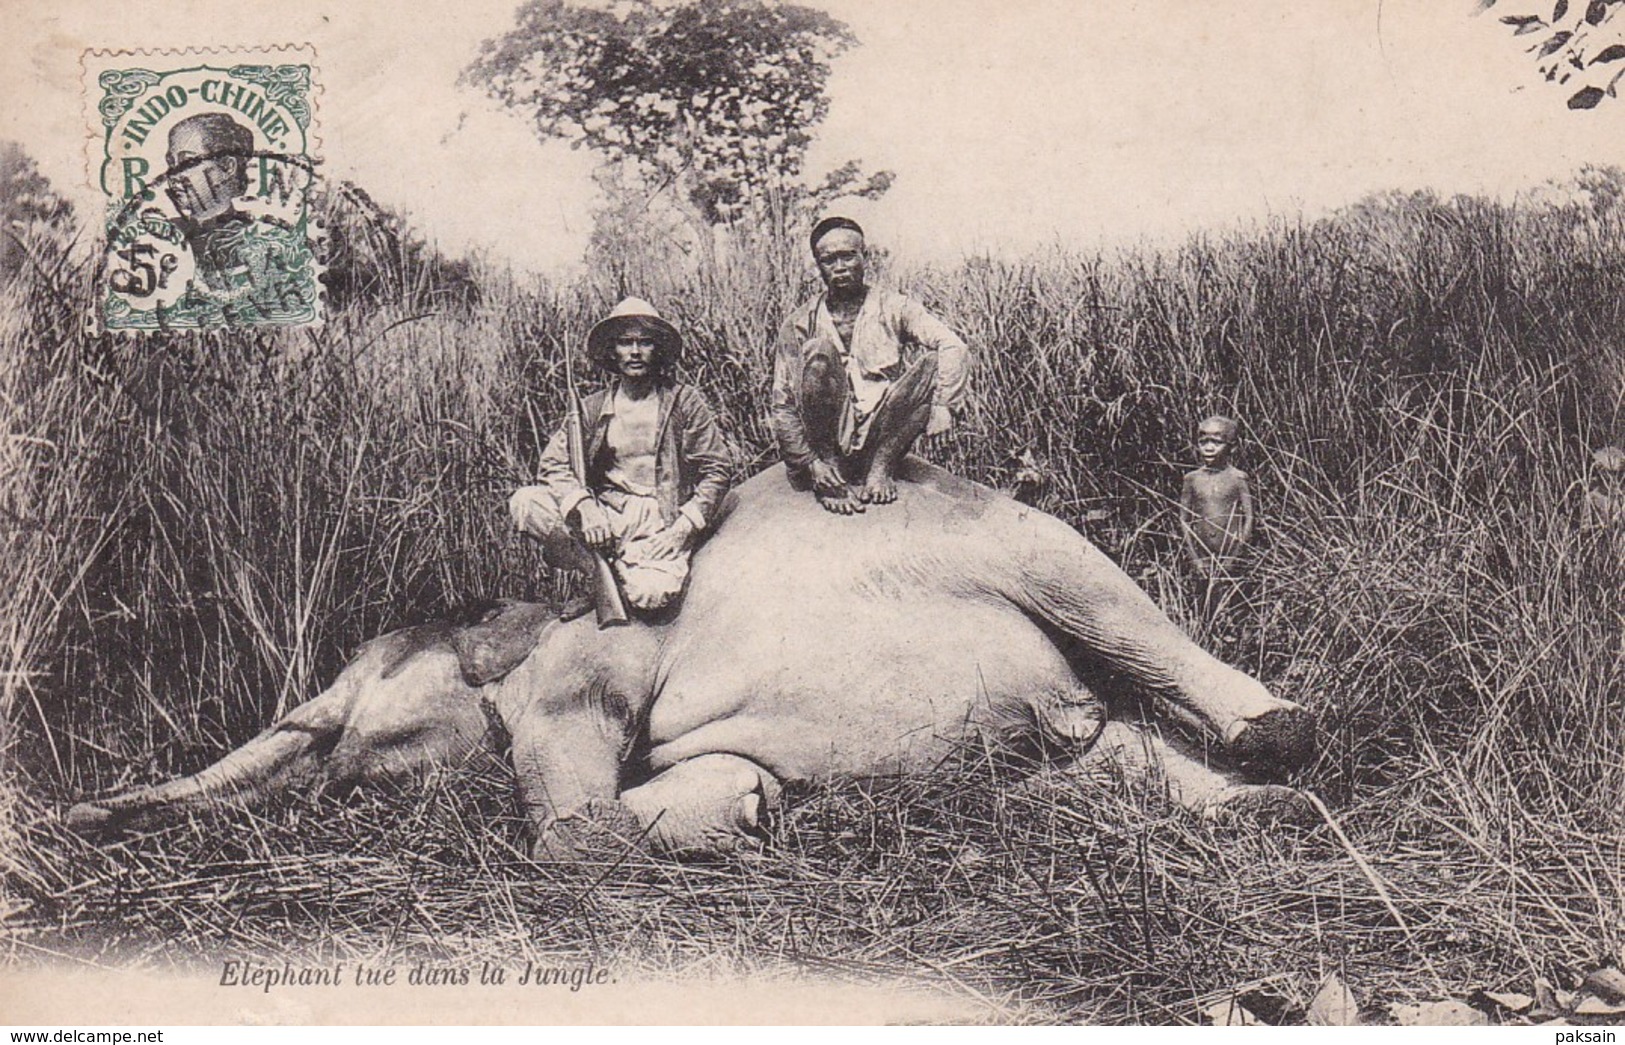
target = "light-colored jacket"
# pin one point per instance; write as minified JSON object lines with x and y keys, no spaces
{"x":886,"y":328}
{"x":692,"y":464}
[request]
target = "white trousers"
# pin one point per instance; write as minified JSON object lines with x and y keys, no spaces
{"x":648,"y":580}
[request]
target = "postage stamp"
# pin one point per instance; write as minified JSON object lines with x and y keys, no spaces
{"x":205,"y":161}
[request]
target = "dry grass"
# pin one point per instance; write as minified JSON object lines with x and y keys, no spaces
{"x":1055,"y":899}
{"x":203,"y":527}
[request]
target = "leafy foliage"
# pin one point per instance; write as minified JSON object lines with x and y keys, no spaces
{"x":717,"y":99}
{"x":1572,"y":44}
{"x":27,"y":201}
{"x":374,"y":256}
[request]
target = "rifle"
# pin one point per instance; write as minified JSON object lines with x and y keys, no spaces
{"x":606,"y":591}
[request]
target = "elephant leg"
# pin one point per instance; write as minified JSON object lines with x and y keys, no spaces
{"x":1089,"y":599}
{"x":568,"y":766}
{"x":595,"y":829}
{"x":1213,"y":792}
{"x":707,"y":804}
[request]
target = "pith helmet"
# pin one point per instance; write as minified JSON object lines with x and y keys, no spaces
{"x":637,"y":314}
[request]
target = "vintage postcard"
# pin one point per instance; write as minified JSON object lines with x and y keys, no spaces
{"x":812,"y":511}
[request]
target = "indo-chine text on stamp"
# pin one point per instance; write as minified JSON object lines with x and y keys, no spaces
{"x":204,"y":159}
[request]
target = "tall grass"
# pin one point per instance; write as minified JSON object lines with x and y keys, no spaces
{"x":201,"y":528}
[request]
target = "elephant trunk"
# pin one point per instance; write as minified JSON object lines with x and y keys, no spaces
{"x":286,"y":755}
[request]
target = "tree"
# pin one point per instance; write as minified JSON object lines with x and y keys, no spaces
{"x":715,"y":100}
{"x":375,"y":255}
{"x":28,"y":206}
{"x":1570,"y":47}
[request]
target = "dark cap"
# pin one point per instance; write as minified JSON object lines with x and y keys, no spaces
{"x":829,"y":225}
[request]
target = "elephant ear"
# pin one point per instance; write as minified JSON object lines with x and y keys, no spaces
{"x":492,"y":647}
{"x":396,"y":649}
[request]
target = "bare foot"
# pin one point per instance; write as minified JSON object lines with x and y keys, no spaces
{"x":842,"y":503}
{"x":880,"y":489}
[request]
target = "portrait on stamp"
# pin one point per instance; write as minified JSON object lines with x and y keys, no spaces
{"x":205,"y":166}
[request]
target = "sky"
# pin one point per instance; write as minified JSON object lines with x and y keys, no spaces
{"x":1011,"y":124}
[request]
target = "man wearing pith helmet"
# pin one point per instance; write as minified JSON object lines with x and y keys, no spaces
{"x":860,"y":372}
{"x":657,"y":466}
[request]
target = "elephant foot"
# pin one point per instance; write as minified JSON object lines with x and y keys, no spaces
{"x":1281,"y":738}
{"x":1262,"y":804}
{"x":751,"y":813}
{"x":710,"y":804}
{"x":598,"y":829}
{"x":1069,"y":721}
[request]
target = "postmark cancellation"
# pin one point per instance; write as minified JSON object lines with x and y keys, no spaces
{"x":205,"y":161}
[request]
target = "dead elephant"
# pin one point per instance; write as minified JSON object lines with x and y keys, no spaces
{"x":809,"y":646}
